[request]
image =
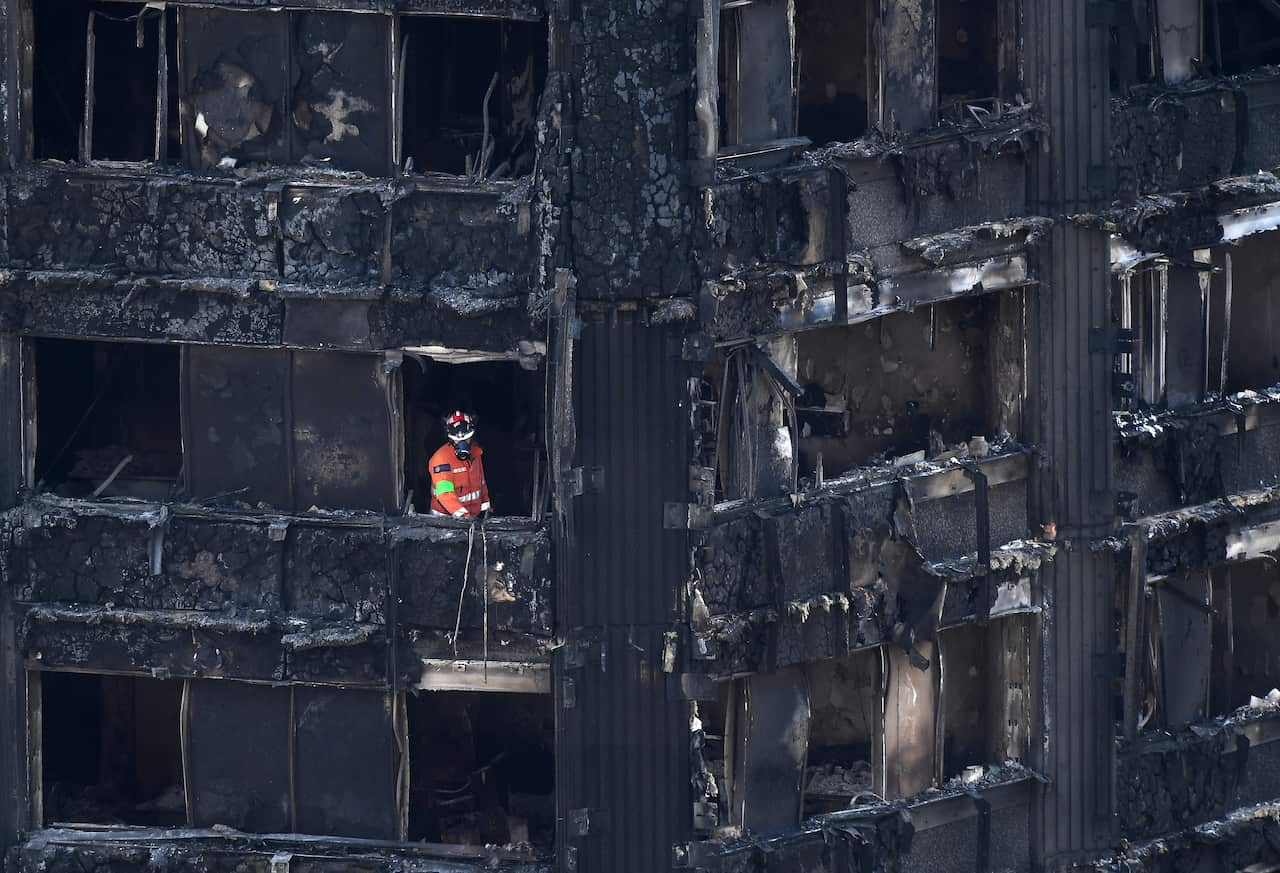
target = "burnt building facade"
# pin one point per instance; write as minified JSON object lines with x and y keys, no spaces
{"x":881,"y":405}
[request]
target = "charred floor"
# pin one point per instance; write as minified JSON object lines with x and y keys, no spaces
{"x":881,"y":413}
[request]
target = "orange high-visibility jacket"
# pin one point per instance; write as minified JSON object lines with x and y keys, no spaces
{"x":457,"y":486}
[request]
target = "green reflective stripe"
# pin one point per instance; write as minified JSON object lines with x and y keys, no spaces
{"x":444,"y":486}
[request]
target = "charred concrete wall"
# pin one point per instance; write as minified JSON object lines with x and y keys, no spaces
{"x":266,"y":599}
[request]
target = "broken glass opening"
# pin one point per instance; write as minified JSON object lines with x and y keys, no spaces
{"x":831,"y":46}
{"x":755,"y":72}
{"x":107,"y":418}
{"x":968,"y":54}
{"x":847,"y":700}
{"x":506,"y":402}
{"x":1252,"y":358}
{"x":110,"y":750}
{"x":482,"y":768}
{"x":1247,"y":34}
{"x":925,"y":383}
{"x":102,"y":84}
{"x":470,"y":94}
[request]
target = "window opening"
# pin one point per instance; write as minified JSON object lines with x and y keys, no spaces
{"x":470,"y":94}
{"x":986,"y":699}
{"x":920,"y":382}
{"x":831,"y":45}
{"x":1253,"y":357}
{"x":1248,"y":34}
{"x":756,"y":72}
{"x":102,"y":88}
{"x":107,"y":418}
{"x":1255,"y":609}
{"x":111,"y":750}
{"x":968,"y":54}
{"x":506,"y":402}
{"x":847,"y":706}
{"x":482,"y":768}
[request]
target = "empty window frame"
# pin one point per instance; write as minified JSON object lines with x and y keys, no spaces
{"x":845,"y":736}
{"x":986,"y":696}
{"x":924,"y":382}
{"x":1253,"y":329}
{"x":470,"y":94}
{"x":103,"y":81}
{"x":1242,"y":36}
{"x":107,"y":418}
{"x":831,"y":57}
{"x":482,"y":768}
{"x":1246,"y":657}
{"x":1167,"y":308}
{"x":968,"y":54}
{"x":507,"y":402}
{"x":109,"y":749}
{"x":756,"y":72}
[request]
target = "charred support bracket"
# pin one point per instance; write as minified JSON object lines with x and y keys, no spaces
{"x":1135,"y":613}
{"x":982,"y":856}
{"x":686,"y":516}
{"x":982,"y":512}
{"x":579,"y":480}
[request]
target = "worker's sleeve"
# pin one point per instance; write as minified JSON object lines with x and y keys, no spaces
{"x":484,"y":489}
{"x":443,"y":489}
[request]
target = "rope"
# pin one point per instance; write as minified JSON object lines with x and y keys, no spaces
{"x":484,"y":591}
{"x":462,"y":592}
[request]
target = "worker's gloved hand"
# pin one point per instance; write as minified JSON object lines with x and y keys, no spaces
{"x":459,"y":513}
{"x":484,"y":513}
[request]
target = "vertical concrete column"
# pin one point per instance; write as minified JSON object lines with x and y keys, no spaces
{"x":10,"y":419}
{"x":13,"y":772}
{"x":1069,"y":421}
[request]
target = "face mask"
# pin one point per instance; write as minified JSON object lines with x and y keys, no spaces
{"x":462,"y":448}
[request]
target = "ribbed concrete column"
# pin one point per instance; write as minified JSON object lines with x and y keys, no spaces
{"x":1066,"y":74}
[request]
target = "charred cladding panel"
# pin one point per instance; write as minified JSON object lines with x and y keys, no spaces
{"x":345,"y":763}
{"x":342,"y":432}
{"x":340,"y":93}
{"x":291,"y":429}
{"x":238,"y":753}
{"x":236,"y":71}
{"x":236,"y":436}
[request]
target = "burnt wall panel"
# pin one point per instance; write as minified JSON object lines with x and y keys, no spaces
{"x":346,"y":763}
{"x":462,"y":242}
{"x":630,"y":209}
{"x":336,"y":574}
{"x":93,"y":559}
{"x":235,"y":69}
{"x":342,"y":439}
{"x":139,"y":647}
{"x":214,"y":230}
{"x":340,"y":90}
{"x":238,"y":754}
{"x":947,"y":527}
{"x":431,"y":575}
{"x":62,"y":222}
{"x":79,"y":305}
{"x":220,"y":565}
{"x":236,"y":442}
{"x":332,"y":236}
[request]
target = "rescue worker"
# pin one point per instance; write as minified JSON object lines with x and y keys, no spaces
{"x":457,"y":473}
